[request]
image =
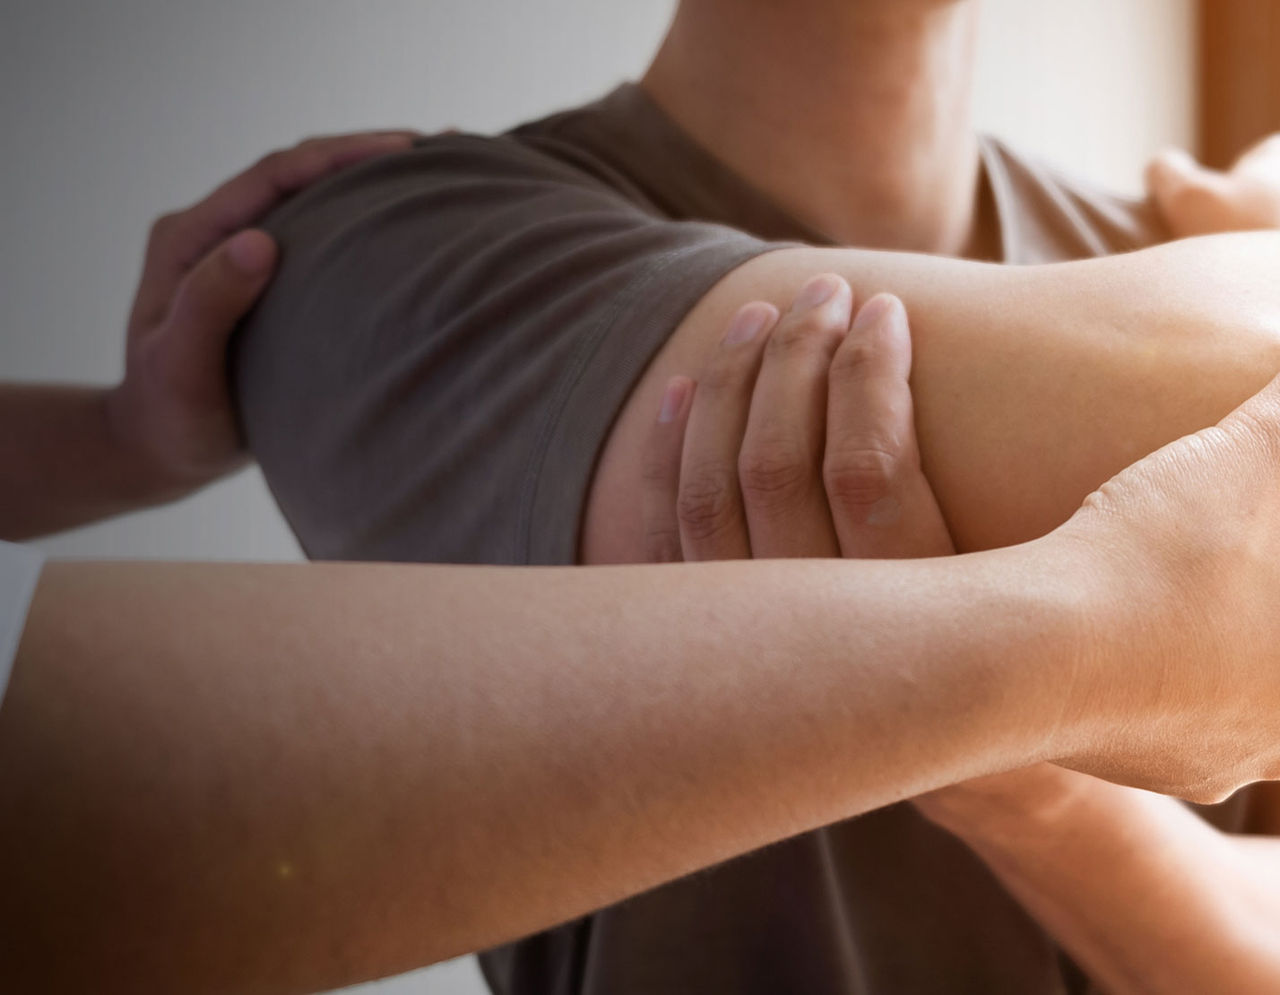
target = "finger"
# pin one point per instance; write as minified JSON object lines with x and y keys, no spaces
{"x":780,"y":467}
{"x":244,"y":198}
{"x":880,"y":500}
{"x":660,"y":481}
{"x":712,"y":523}
{"x":179,"y":241}
{"x":189,"y":352}
{"x":1188,"y":195}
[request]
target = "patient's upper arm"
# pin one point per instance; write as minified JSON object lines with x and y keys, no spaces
{"x":1033,"y":385}
{"x":440,"y":361}
{"x":449,"y":337}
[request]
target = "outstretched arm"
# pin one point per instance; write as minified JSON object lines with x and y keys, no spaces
{"x":286,"y":778}
{"x":229,"y":777}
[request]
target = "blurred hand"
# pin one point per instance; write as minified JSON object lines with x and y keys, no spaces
{"x":204,"y":270}
{"x":1195,"y":200}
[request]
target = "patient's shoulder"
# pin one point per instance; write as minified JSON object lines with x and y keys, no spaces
{"x":444,"y":182}
{"x":447,"y":339}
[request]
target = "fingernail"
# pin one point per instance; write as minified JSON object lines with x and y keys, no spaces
{"x":395,"y":139}
{"x":673,"y":400}
{"x":747,"y":324}
{"x":816,"y":292}
{"x":882,"y":307}
{"x":251,"y":252}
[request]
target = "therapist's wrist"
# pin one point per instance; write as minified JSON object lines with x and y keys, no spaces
{"x":156,"y":462}
{"x":1096,"y":682}
{"x":1034,"y":803}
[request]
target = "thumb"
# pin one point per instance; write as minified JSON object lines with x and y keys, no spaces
{"x":210,"y":302}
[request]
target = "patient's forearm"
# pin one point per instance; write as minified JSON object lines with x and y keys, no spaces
{"x":1032,"y":385}
{"x":289,"y":778}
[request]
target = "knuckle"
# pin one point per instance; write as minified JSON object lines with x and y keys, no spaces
{"x":707,"y":504}
{"x":812,"y":331}
{"x":728,"y":372}
{"x":773,"y":472}
{"x":290,"y":169}
{"x":658,"y":468}
{"x":860,"y":476}
{"x":663,"y":545}
{"x":854,"y":362}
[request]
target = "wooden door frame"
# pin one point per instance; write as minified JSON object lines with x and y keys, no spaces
{"x":1239,"y":98}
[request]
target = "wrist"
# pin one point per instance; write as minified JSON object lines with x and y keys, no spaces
{"x":1030,"y":803}
{"x":143,"y":477}
{"x":1107,"y":620}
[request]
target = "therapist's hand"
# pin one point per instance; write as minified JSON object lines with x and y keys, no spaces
{"x":204,"y":269}
{"x":797,"y":441}
{"x":1195,"y":200}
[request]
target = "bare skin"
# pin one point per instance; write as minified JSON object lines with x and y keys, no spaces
{"x":853,"y":114}
{"x":121,"y":603}
{"x":283,"y":778}
{"x":135,"y":739}
{"x":860,"y":127}
{"x":1145,"y":895}
{"x":859,"y":124}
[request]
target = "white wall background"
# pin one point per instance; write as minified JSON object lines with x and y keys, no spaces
{"x":1095,"y":86}
{"x":113,"y":112}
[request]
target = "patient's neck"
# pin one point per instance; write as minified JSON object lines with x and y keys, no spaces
{"x":852,"y":114}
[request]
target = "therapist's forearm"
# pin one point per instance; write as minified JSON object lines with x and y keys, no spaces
{"x":289,"y":778}
{"x":63,"y":464}
{"x":1146,"y":896}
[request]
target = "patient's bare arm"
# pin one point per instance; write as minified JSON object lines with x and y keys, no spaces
{"x":1147,"y":897}
{"x":1032,"y":385}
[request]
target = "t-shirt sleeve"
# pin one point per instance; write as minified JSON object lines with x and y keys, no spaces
{"x":450,"y":336}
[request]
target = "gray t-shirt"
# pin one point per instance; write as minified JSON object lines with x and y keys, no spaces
{"x":431,"y":377}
